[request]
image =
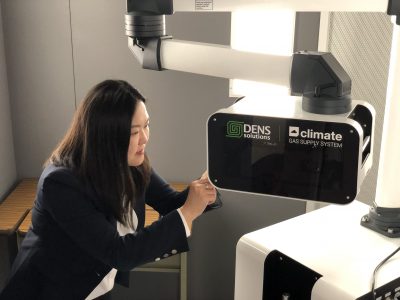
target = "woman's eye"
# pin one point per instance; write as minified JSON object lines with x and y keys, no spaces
{"x":134,"y":133}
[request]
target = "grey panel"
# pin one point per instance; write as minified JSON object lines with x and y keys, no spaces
{"x":39,"y":62}
{"x":361,"y":42}
{"x":8,"y":174}
{"x":149,"y":286}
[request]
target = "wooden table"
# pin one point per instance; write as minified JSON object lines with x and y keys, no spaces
{"x":26,"y":195}
{"x":16,"y":206}
{"x":151,"y":216}
{"x":12,"y":212}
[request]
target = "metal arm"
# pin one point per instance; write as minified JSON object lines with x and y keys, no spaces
{"x":215,"y":60}
{"x":145,"y":26}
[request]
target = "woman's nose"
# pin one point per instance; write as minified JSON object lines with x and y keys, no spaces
{"x":144,"y":137}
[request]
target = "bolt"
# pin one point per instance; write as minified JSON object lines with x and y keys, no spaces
{"x":285,"y":296}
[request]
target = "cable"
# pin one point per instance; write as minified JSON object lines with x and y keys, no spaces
{"x":72,"y":50}
{"x":376,"y":270}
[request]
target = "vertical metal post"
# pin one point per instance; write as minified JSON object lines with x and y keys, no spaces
{"x":387,"y":190}
{"x":384,"y":216}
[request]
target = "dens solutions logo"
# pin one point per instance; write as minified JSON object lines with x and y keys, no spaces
{"x":235,"y":129}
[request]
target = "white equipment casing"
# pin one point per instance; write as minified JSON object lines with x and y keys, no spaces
{"x":329,"y":241}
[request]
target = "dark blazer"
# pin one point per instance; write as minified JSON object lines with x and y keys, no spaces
{"x":73,"y":243}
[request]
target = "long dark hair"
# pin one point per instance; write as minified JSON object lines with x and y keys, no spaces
{"x":96,"y":147}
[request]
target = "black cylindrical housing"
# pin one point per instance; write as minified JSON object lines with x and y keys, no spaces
{"x":140,"y":26}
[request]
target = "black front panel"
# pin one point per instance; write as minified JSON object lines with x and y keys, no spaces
{"x":285,"y":276}
{"x":390,"y":290}
{"x":293,"y":158}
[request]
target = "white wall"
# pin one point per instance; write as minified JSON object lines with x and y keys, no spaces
{"x":37,"y":39}
{"x":8,"y":172}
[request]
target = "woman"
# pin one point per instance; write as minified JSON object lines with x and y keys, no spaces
{"x":88,"y":216}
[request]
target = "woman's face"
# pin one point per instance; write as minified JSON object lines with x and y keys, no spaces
{"x":139,"y":135}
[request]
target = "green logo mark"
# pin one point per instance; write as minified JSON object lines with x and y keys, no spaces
{"x":234,"y":129}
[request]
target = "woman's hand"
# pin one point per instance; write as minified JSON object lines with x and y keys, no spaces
{"x":204,"y":176}
{"x":201,"y":194}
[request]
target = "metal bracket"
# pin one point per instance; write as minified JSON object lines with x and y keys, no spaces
{"x":322,"y":81}
{"x":383,"y":220}
{"x":145,"y":27}
{"x":394,"y":10}
{"x":147,"y":51}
